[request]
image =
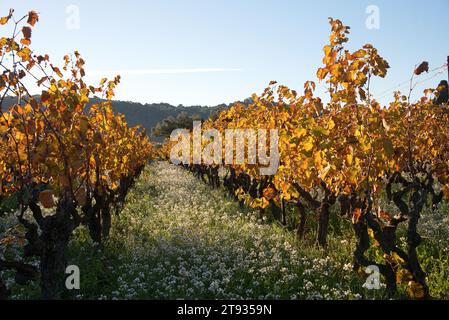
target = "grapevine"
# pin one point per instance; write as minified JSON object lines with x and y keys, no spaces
{"x":349,"y":150}
{"x":68,"y":162}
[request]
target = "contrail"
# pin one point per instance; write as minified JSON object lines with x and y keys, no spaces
{"x":160,"y":71}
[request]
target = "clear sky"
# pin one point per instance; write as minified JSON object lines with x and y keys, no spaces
{"x":218,"y":51}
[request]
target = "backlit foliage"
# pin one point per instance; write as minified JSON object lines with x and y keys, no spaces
{"x":349,"y":150}
{"x":58,"y":152}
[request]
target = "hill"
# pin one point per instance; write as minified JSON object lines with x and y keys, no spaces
{"x":147,"y":115}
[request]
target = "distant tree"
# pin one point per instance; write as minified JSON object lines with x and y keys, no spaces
{"x":182,"y":120}
{"x":443,"y":93}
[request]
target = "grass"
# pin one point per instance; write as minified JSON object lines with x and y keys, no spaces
{"x":176,"y":238}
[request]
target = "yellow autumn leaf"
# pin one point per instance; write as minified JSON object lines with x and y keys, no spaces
{"x":308,"y":144}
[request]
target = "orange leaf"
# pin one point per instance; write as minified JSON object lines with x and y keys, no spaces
{"x":46,"y":199}
{"x":33,"y":17}
{"x":4,"y":20}
{"x":356,"y":215}
{"x":423,"y":67}
{"x":26,"y":32}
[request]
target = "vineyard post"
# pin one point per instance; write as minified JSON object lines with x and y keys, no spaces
{"x":448,"y":69}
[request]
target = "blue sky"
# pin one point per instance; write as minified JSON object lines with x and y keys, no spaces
{"x":213,"y":51}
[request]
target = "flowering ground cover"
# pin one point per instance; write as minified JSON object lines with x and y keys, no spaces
{"x":177,"y":239}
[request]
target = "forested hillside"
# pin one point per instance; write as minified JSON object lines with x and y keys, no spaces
{"x":147,"y":115}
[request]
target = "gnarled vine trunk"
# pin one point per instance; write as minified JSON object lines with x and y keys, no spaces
{"x":324,"y":216}
{"x":300,"y":231}
{"x":52,"y":245}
